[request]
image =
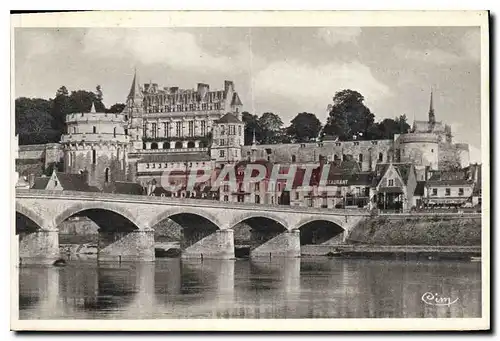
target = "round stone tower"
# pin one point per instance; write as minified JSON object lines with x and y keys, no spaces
{"x":96,"y":142}
{"x":420,"y":148}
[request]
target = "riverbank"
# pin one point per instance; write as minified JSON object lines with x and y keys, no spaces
{"x":416,"y":252}
{"x":408,"y":230}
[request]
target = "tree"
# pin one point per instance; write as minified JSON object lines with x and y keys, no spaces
{"x":349,"y":116}
{"x":251,"y":125}
{"x":60,"y":108}
{"x":388,"y":127}
{"x":116,"y":108}
{"x":270,"y":125}
{"x":304,"y":127}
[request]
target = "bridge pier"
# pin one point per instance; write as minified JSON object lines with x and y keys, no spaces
{"x":286,"y":244}
{"x":40,"y":247}
{"x":218,"y":245}
{"x":136,"y":245}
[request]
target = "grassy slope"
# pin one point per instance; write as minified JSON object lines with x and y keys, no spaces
{"x":421,"y":231}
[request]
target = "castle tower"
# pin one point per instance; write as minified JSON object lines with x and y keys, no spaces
{"x":133,"y":113}
{"x":254,"y":148}
{"x":228,"y":137}
{"x":432,"y":116}
{"x":97,"y":143}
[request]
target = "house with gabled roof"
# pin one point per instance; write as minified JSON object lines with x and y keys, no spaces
{"x":59,"y":181}
{"x":394,"y":186}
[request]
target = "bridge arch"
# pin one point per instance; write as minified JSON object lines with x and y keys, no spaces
{"x":320,"y":230}
{"x":184,"y":210}
{"x":263,"y":214}
{"x":31,"y":215}
{"x":86,"y":206}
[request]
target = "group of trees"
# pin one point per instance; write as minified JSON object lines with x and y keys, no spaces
{"x":349,"y":118}
{"x":41,"y":121}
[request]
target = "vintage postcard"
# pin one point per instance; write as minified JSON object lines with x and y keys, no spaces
{"x":250,"y":171}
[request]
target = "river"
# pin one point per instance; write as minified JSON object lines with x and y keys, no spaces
{"x":281,"y":288}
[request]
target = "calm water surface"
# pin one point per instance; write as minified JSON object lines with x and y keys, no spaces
{"x":282,"y":288}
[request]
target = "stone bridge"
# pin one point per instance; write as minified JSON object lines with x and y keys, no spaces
{"x":127,"y":222}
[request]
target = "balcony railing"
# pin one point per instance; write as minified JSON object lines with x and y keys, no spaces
{"x":97,"y":137}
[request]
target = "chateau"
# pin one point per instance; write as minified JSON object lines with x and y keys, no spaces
{"x":182,"y":130}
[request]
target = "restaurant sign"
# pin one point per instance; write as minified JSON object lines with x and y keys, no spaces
{"x":338,"y":182}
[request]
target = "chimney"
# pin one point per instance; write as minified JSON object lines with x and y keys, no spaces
{"x":228,"y":85}
{"x":203,"y":89}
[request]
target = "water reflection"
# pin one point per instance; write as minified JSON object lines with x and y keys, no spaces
{"x":277,"y":288}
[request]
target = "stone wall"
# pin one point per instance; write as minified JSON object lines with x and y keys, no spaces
{"x":366,"y":152}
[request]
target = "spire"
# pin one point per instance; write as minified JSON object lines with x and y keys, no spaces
{"x":254,"y":142}
{"x":135,"y":90}
{"x":92,"y":109}
{"x":432,"y":116}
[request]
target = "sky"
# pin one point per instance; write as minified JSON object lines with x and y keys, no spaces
{"x":281,"y":70}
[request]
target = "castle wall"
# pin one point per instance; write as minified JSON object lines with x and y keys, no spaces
{"x":368,"y":153}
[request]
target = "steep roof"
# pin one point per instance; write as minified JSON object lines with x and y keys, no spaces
{"x":75,"y":182}
{"x":403,"y":169}
{"x":228,"y":118}
{"x":419,"y":189}
{"x":236,"y":99}
{"x":122,"y":187}
{"x":40,"y":183}
{"x":135,"y":90}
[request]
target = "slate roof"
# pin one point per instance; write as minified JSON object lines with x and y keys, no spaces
{"x":419,"y":189}
{"x":175,"y":157}
{"x":236,"y":99}
{"x":228,"y":118}
{"x":40,"y":183}
{"x":364,"y":178}
{"x":122,"y":187}
{"x":403,"y":169}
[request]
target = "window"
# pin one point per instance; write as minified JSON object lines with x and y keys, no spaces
{"x":447,"y":192}
{"x":344,"y":157}
{"x":257,"y":186}
{"x":226,"y":188}
{"x":432,"y":150}
{"x":106,"y":175}
{"x":178,"y":145}
{"x":380,"y":157}
{"x":190,"y":144}
{"x":143,"y":146}
{"x":391,"y":182}
{"x":191,"y":128}
{"x":226,"y":198}
{"x":94,"y":130}
{"x":74,"y":130}
{"x":154,"y":145}
{"x":126,"y":131}
{"x":221,"y":153}
{"x":222,"y":129}
{"x":297,"y":195}
{"x":360,"y":157}
{"x":93,"y":157}
{"x":55,"y":183}
{"x":114,"y":132}
{"x":203,"y":128}
{"x":153,"y":130}
{"x":166,"y":145}
{"x":222,"y":142}
{"x":257,"y":199}
{"x":144,"y":131}
{"x":434,"y":191}
{"x":239,"y":130}
{"x":460,"y":191}
{"x":177,"y":129}
{"x":294,"y":158}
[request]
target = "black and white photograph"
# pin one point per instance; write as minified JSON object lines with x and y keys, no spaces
{"x":249,"y":171}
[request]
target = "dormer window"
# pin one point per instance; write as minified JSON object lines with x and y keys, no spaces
{"x":391,"y":182}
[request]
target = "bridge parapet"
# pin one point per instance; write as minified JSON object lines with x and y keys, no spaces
{"x":143,"y":199}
